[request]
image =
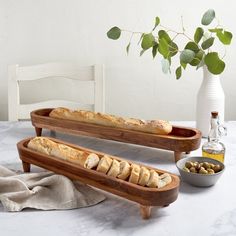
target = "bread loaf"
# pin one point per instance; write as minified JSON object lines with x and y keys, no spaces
{"x":151,"y":126}
{"x":64,"y":152}
{"x":42,"y":144}
{"x":133,"y":173}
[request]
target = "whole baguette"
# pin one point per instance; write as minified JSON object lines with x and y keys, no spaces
{"x":151,"y":126}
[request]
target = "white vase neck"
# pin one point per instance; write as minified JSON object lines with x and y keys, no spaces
{"x":208,"y":75}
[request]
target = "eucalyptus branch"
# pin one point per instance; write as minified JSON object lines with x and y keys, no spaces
{"x":197,"y":51}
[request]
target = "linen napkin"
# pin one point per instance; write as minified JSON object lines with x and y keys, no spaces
{"x":44,"y":190}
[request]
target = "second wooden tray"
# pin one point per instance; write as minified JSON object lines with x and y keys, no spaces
{"x":145,"y":196}
{"x":180,"y":140}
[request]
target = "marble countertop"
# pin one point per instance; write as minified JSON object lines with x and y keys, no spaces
{"x":197,"y":211}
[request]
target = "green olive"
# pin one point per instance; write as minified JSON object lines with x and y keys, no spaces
{"x":217,"y":168}
{"x":212,"y":165}
{"x":197,"y":166}
{"x":193,"y":170}
{"x":186,"y":169}
{"x":210,"y":171}
{"x":206,"y":165}
{"x":188,"y":164}
{"x":203,"y":171}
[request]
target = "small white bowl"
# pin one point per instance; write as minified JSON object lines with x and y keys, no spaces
{"x":200,"y":180}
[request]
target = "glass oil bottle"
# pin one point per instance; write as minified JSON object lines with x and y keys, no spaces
{"x":213,"y":148}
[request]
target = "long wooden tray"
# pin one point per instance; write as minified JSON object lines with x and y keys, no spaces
{"x":180,"y":140}
{"x":144,"y":196}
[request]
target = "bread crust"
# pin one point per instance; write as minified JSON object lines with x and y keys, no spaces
{"x":115,"y":168}
{"x":148,"y":126}
{"x":125,"y":170}
{"x":104,"y":164}
{"x":153,"y":179}
{"x":144,"y":176}
{"x":135,"y":173}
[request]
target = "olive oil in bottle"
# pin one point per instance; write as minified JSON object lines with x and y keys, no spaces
{"x":214,"y":148}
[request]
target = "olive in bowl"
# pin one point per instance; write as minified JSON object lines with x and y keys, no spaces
{"x":200,"y":171}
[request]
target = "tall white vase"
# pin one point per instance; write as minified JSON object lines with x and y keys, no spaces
{"x":210,"y":98}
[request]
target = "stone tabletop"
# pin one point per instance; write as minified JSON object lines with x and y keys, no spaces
{"x":197,"y":211}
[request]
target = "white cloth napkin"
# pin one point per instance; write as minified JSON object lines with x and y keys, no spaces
{"x":44,"y":190}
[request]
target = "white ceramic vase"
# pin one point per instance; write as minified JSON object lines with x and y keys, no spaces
{"x":210,"y":98}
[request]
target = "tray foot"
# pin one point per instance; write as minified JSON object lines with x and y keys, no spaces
{"x":187,"y":152}
{"x":38,"y":131}
{"x":26,"y":166}
{"x":177,"y":156}
{"x":166,"y":205}
{"x":145,"y":212}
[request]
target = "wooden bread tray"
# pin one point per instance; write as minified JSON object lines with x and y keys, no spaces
{"x":180,"y":140}
{"x":144,"y":196}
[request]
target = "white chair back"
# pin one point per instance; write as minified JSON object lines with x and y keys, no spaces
{"x":90,"y":81}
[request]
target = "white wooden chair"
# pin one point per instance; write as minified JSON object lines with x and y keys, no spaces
{"x":90,"y":78}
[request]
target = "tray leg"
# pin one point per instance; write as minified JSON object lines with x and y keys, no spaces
{"x":26,"y":166}
{"x":38,"y":131}
{"x":177,"y":156}
{"x":145,"y":211}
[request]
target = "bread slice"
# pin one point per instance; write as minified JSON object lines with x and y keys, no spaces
{"x":42,"y":144}
{"x":115,"y":168}
{"x":135,"y":172}
{"x":89,"y":161}
{"x":144,"y":176}
{"x":125,"y":170}
{"x":164,"y":179}
{"x":104,"y":164}
{"x":153,"y":179}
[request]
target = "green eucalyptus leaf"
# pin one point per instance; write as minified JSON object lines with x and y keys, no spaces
{"x":225,"y":37}
{"x":184,"y":65}
{"x":215,"y":30}
{"x":165,"y":65}
{"x":201,"y":64}
{"x":214,"y":64}
{"x":187,"y":56}
{"x":192,"y":46}
{"x":164,"y":34}
{"x":208,"y":43}
{"x":173,"y":49}
{"x":127,"y":48}
{"x":163,"y":47}
{"x":198,"y":34}
{"x":147,"y":41}
{"x":114,"y":33}
{"x":197,"y":59}
{"x":178,"y":72}
{"x":208,"y":17}
{"x":157,"y":22}
{"x":154,"y":50}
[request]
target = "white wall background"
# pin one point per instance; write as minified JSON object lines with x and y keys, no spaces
{"x":33,"y":32}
